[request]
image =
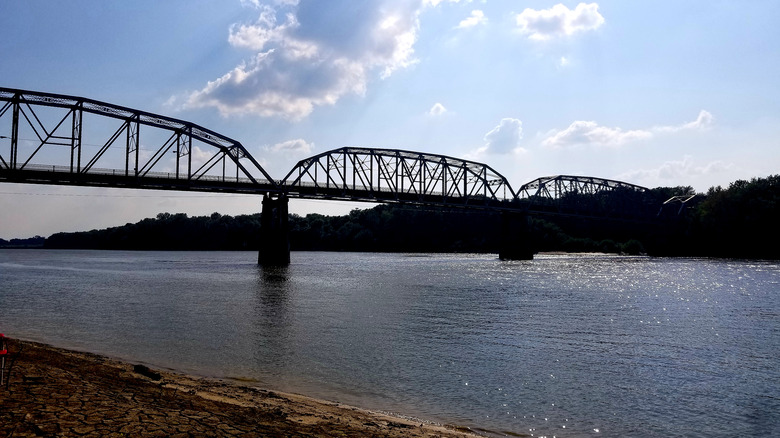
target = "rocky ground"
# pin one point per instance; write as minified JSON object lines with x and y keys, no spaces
{"x":55,"y":392}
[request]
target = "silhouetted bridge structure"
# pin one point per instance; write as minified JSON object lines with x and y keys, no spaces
{"x":57,"y":139}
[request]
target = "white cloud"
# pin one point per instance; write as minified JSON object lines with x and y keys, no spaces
{"x":297,"y":146}
{"x":504,"y":138}
{"x":437,"y":109}
{"x":564,"y":61}
{"x":675,"y":170}
{"x":559,"y":21}
{"x":703,"y":121}
{"x":589,"y":132}
{"x":310,"y":53}
{"x":250,"y":3}
{"x":477,"y":17}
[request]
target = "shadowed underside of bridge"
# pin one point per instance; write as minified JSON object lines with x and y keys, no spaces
{"x":56,"y":139}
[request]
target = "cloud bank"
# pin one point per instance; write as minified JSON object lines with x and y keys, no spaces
{"x":676,"y":170}
{"x":297,"y":146}
{"x":591,"y":133}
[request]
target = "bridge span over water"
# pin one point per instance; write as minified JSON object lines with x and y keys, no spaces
{"x":50,"y":138}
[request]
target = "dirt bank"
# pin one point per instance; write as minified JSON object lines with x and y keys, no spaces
{"x":54,"y":392}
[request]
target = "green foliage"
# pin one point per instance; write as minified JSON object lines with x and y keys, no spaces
{"x":739,"y":221}
{"x":393,"y":228}
{"x":632,"y":247}
{"x":169,"y":232}
{"x":32,"y":242}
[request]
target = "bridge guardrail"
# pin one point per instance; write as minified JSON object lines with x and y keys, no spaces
{"x":149,"y":175}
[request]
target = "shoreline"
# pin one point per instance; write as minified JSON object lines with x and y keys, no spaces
{"x":53,"y":391}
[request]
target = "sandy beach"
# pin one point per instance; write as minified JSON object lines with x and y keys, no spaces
{"x":49,"y":391}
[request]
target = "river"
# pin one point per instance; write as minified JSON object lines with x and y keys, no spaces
{"x":563,"y":345}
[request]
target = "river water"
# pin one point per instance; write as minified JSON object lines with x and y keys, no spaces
{"x":564,"y":345}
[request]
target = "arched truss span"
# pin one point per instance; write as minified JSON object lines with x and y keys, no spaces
{"x":58,"y":139}
{"x":585,"y":196}
{"x":559,"y":186}
{"x":390,"y":175}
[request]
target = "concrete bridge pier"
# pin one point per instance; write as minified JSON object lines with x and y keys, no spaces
{"x":515,"y":237}
{"x":274,"y":232}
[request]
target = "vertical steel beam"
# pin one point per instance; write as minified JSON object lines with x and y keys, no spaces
{"x":422,"y":166}
{"x":137,"y":139}
{"x":371,"y":172}
{"x":75,"y":140}
{"x":15,"y":132}
{"x":132,"y":145}
{"x":189,"y":153}
{"x":178,"y":153}
{"x":465,"y":177}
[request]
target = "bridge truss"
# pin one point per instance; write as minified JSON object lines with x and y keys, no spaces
{"x":390,"y":175}
{"x":587,"y":196}
{"x":58,"y":139}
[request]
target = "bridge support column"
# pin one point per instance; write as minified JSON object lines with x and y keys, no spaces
{"x":515,"y":237}
{"x":274,"y":232}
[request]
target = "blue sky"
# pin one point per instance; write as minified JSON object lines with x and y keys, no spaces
{"x":660,"y":93}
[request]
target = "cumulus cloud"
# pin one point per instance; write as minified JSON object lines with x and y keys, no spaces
{"x":437,"y":109}
{"x":504,"y":138}
{"x":676,"y":170}
{"x":309,"y":53}
{"x":702,"y":122}
{"x":591,"y":133}
{"x":559,"y":21}
{"x":476,"y":18}
{"x":297,"y":146}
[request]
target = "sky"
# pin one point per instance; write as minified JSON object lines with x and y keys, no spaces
{"x":655,"y":93}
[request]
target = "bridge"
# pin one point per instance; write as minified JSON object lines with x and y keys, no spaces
{"x":50,"y":138}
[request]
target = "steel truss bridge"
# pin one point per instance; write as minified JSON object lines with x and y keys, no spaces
{"x":57,"y":139}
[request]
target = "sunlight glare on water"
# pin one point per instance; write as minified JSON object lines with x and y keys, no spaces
{"x":564,"y":345}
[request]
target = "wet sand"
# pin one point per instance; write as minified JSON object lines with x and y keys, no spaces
{"x":54,"y":392}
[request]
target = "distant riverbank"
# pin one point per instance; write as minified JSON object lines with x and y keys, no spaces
{"x":735,"y":222}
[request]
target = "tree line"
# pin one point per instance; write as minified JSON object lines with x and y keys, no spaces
{"x":737,"y":221}
{"x":31,"y":242}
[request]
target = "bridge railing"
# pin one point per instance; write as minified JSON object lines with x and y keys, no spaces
{"x":53,"y":168}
